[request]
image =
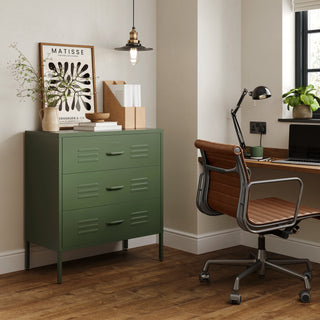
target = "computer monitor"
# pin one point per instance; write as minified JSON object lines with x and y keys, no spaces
{"x":304,"y":142}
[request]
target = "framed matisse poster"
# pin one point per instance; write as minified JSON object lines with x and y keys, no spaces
{"x":68,"y":80}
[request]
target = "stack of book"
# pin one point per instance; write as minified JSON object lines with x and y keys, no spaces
{"x":98,"y":126}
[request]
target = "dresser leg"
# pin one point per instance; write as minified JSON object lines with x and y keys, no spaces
{"x":59,"y":267}
{"x":125,"y":245}
{"x":27,"y":256}
{"x":161,"y":246}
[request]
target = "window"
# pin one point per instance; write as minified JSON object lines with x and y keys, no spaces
{"x":308,"y":50}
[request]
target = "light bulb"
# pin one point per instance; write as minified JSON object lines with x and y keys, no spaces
{"x":133,"y":56}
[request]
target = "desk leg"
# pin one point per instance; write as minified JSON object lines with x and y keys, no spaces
{"x":161,"y":246}
{"x":27,"y":256}
{"x":59,"y":267}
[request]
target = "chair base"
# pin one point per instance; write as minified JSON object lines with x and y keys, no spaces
{"x":259,"y":263}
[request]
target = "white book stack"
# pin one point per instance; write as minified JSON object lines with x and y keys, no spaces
{"x":98,"y":126}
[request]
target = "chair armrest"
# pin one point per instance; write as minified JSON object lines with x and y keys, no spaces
{"x":276,"y":180}
{"x":272,"y":226}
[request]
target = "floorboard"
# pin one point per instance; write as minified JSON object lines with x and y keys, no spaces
{"x":135,"y":285}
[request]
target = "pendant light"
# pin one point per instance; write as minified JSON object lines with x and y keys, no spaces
{"x":133,"y":45}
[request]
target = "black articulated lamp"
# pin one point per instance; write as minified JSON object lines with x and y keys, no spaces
{"x":133,"y":45}
{"x":258,"y":93}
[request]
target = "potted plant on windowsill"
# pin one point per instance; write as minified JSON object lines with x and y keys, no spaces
{"x":302,"y":100}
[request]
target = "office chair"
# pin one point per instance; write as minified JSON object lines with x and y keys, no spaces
{"x":224,"y":188}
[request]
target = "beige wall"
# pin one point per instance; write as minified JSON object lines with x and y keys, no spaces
{"x":198,"y":82}
{"x":271,"y":62}
{"x":262,"y":65}
{"x":177,"y":109}
{"x":103,"y":24}
{"x":219,"y":81}
{"x":237,"y":47}
{"x":207,"y":52}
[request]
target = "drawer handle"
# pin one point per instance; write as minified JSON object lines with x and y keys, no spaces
{"x":115,"y":153}
{"x":114,"y":223}
{"x":114,"y":188}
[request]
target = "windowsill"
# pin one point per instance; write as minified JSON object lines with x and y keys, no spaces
{"x":312,"y":120}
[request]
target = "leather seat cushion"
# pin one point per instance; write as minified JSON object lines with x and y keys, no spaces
{"x":268,"y":210}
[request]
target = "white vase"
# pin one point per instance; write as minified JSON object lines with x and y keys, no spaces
{"x":50,"y":119}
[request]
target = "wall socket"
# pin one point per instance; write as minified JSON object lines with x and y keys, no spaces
{"x":258,"y":127}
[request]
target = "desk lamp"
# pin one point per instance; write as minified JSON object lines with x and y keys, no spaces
{"x":258,"y":93}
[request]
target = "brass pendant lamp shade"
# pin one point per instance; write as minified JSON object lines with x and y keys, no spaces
{"x":133,"y":42}
{"x":133,"y":45}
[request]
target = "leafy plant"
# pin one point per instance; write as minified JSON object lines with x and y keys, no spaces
{"x":302,"y":95}
{"x":53,"y":90}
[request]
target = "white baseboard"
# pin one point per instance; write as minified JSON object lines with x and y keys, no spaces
{"x":199,"y":244}
{"x":293,"y":247}
{"x":11,"y":261}
{"x":203,"y":243}
{"x":180,"y":240}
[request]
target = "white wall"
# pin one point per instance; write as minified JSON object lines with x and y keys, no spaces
{"x":105,"y":24}
{"x":262,"y":65}
{"x":271,"y":63}
{"x":219,"y":81}
{"x":288,"y":52}
{"x":207,"y":52}
{"x":177,"y":109}
{"x":239,"y":48}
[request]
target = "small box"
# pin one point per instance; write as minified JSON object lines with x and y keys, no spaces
{"x":128,"y":117}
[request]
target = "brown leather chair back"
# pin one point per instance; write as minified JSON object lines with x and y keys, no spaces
{"x":224,"y":188}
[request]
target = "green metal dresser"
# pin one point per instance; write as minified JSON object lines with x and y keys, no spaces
{"x":90,"y":188}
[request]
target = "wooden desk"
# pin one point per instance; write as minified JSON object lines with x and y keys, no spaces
{"x":278,"y":154}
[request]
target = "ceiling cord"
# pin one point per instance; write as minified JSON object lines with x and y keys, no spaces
{"x":133,"y":27}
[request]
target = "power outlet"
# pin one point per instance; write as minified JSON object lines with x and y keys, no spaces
{"x":258,"y":127}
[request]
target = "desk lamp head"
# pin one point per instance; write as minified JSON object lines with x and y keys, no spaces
{"x":260,"y":93}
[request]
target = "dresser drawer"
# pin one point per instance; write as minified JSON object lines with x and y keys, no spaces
{"x":92,"y":189}
{"x":94,"y":153}
{"x":111,"y":223}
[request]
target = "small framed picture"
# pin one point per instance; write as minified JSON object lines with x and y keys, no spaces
{"x":68,"y":80}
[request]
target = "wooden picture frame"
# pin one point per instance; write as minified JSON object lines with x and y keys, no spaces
{"x":68,"y":79}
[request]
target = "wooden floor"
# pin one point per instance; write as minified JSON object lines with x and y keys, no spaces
{"x":135,"y":285}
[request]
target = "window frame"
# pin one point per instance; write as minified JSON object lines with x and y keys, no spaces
{"x":301,"y":52}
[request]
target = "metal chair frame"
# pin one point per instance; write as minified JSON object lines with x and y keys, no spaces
{"x":257,"y":262}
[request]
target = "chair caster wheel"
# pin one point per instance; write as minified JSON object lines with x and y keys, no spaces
{"x":308,"y":274}
{"x":235,"y":298}
{"x":204,"y":276}
{"x":305,"y":296}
